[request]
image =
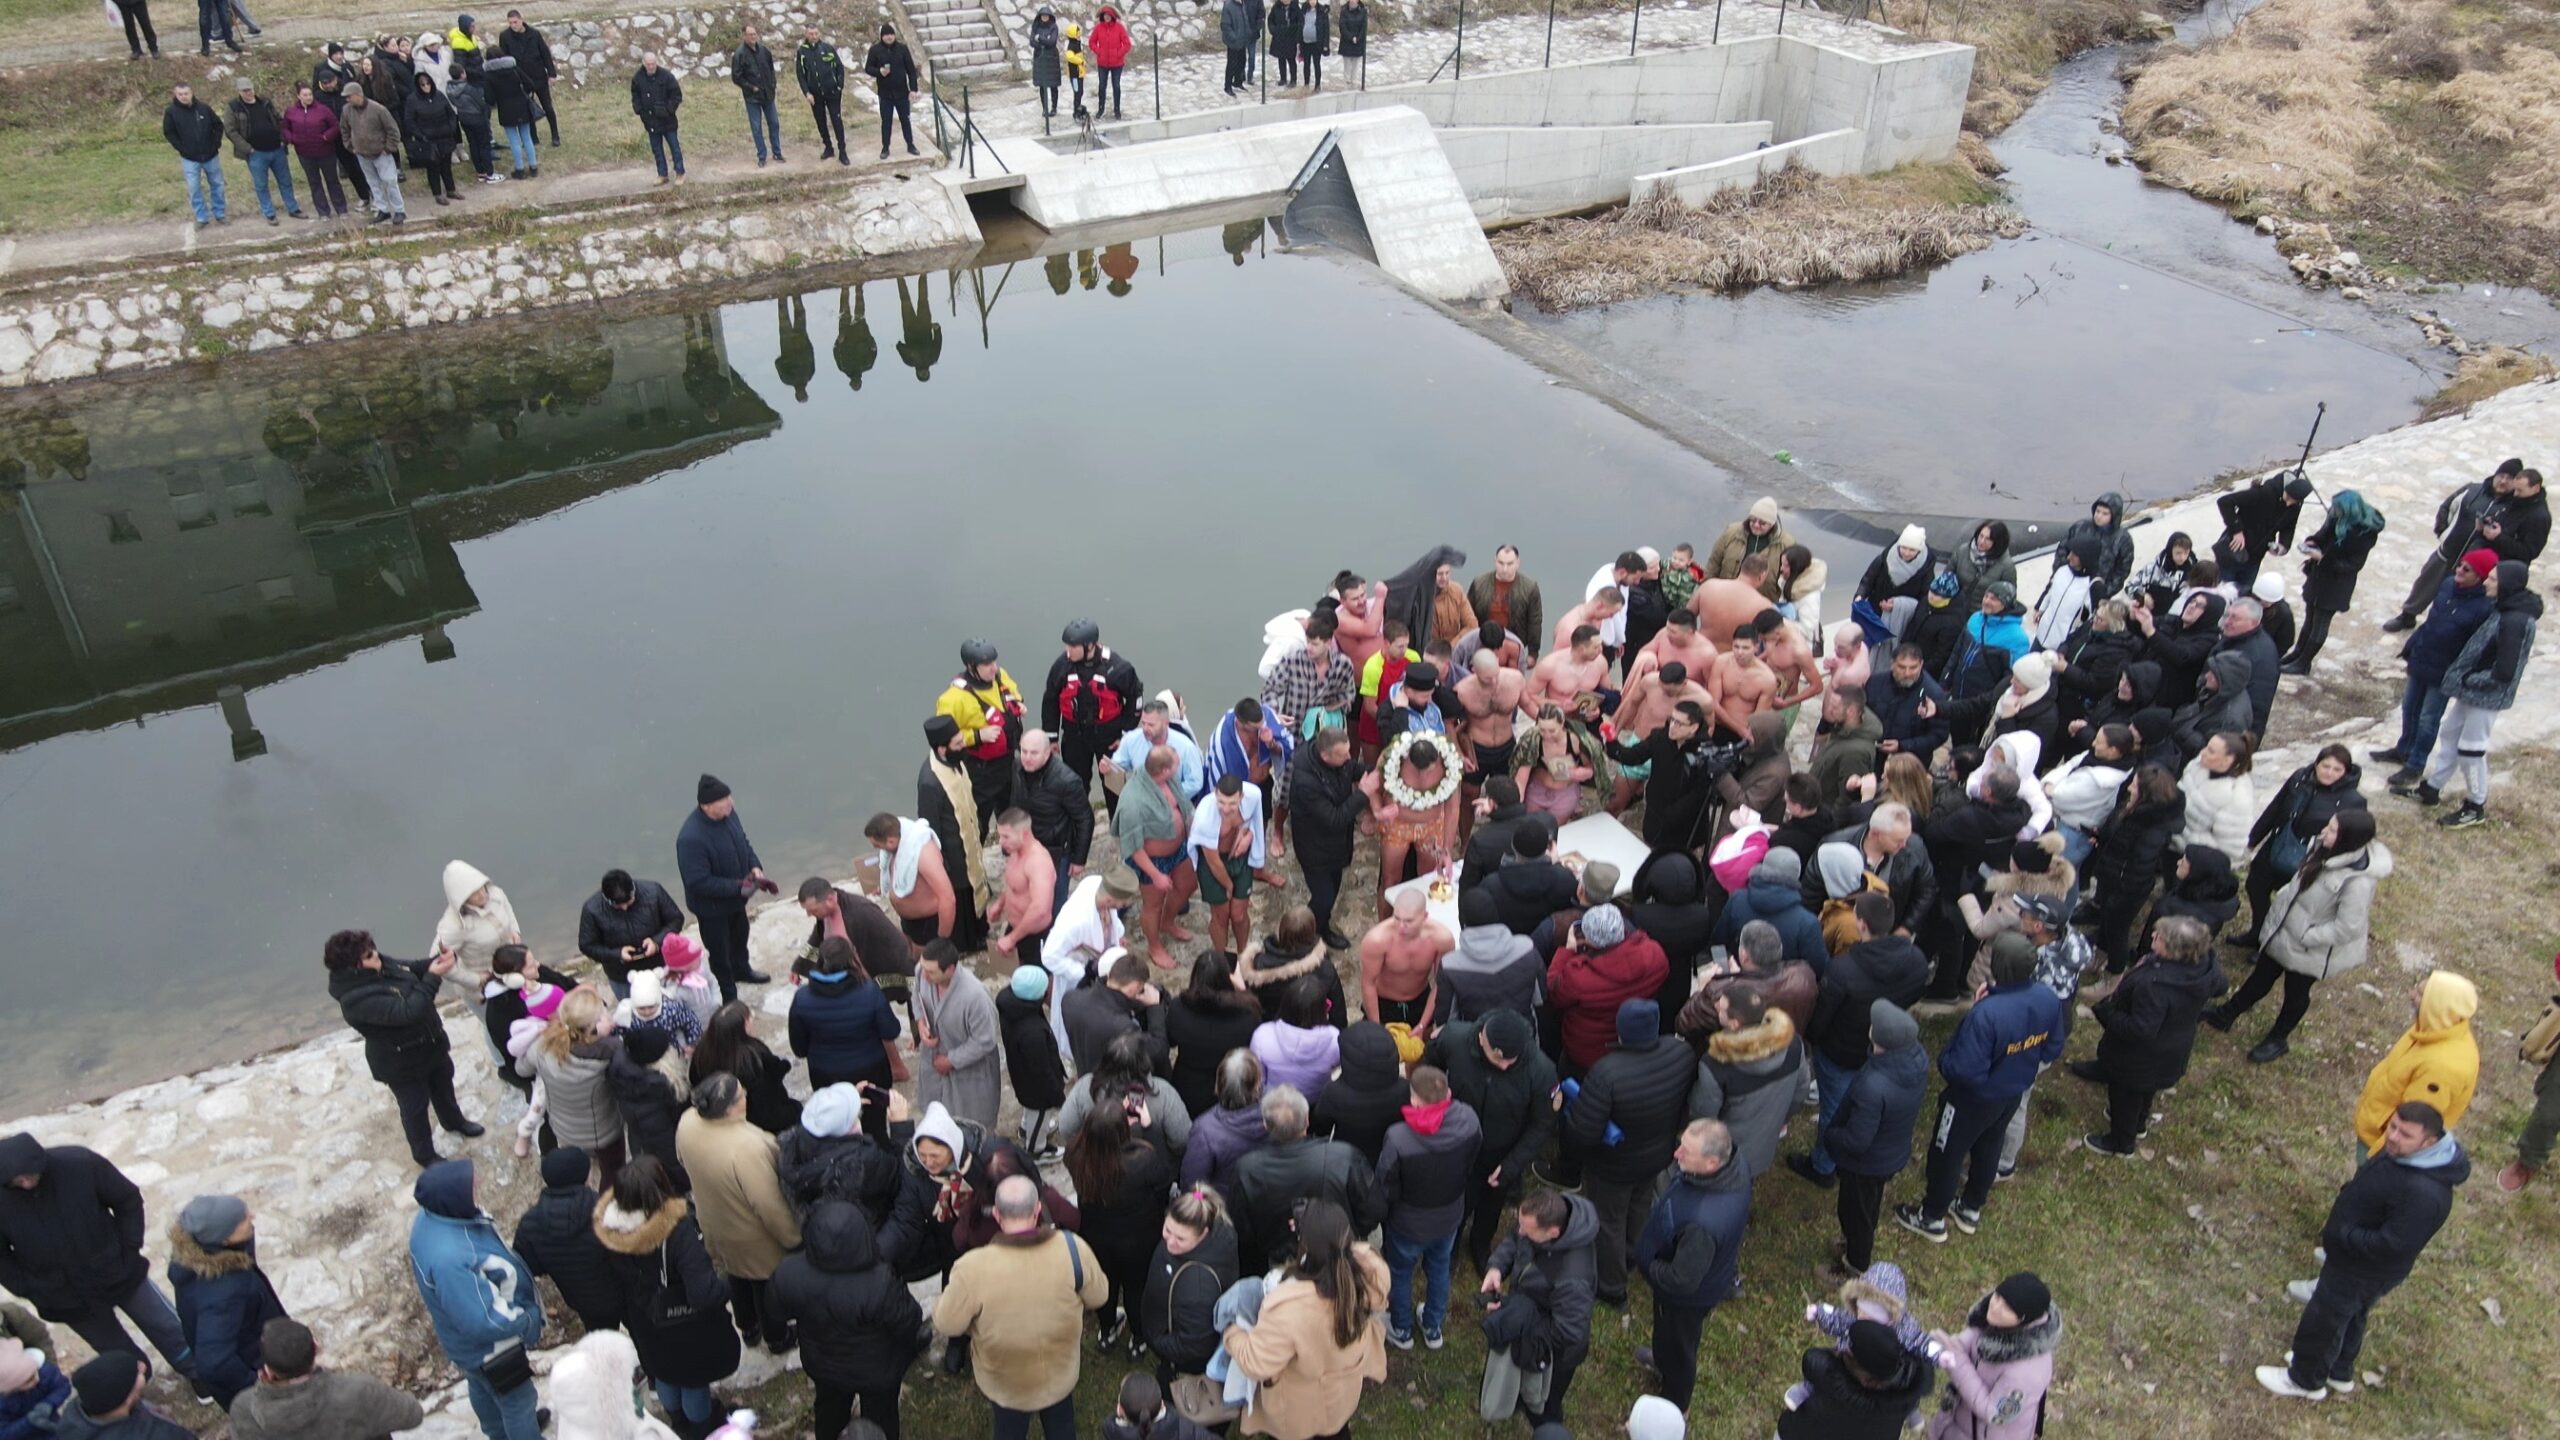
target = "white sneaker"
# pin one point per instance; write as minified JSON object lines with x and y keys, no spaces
{"x":2301,"y":1290}
{"x":2278,"y":1382}
{"x":2319,"y":1254}
{"x":2336,"y":1387}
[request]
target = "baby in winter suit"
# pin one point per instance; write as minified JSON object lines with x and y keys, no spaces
{"x":1881,"y":1294}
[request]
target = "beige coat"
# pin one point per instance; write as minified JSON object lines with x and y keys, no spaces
{"x":737,"y":1194}
{"x":1017,"y":1299}
{"x":1310,"y":1384}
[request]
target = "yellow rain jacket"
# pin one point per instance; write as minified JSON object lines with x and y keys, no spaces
{"x":2437,"y":1061}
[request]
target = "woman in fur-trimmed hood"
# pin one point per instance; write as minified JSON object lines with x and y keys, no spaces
{"x":654,"y":1245}
{"x":2000,"y":1365}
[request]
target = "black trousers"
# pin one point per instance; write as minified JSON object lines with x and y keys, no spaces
{"x":2331,"y":1332}
{"x":1861,"y":1205}
{"x":2128,"y":1113}
{"x":2262,"y":978}
{"x":415,"y":1097}
{"x":440,"y":171}
{"x":1484,"y":1212}
{"x":1284,"y":66}
{"x":1965,"y":1146}
{"x":835,"y":1410}
{"x":828,"y":111}
{"x":2262,"y":882}
{"x":542,"y":88}
{"x":2313,"y":635}
{"x":1324,"y":891}
{"x":2119,"y":907}
{"x":1559,"y":1381}
{"x":1311,"y":67}
{"x":1675,"y":1350}
{"x":1235,"y":69}
{"x":724,"y":944}
{"x":896,"y":107}
{"x":751,"y":1301}
{"x":1106,"y":86}
{"x":137,"y":25}
{"x":321,"y":176}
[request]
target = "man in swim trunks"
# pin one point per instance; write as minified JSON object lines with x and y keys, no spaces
{"x":1784,"y":651}
{"x":1154,"y":828}
{"x":1400,"y":966}
{"x":1029,"y":898}
{"x":1597,"y":611}
{"x":1229,"y":844}
{"x":1724,"y":606}
{"x":1741,"y":685}
{"x":1490,"y":695}
{"x":1574,"y":668}
{"x":1680,"y":640}
{"x":926,"y":905}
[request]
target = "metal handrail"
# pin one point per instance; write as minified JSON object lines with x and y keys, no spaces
{"x":971,"y":136}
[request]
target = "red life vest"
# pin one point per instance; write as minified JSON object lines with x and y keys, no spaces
{"x":1088,"y":697}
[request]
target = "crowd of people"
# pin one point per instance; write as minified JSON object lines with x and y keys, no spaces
{"x":1261,"y":1181}
{"x":360,"y":123}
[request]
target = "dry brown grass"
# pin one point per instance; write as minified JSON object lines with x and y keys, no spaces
{"x":2484,"y":373}
{"x":1792,"y":228}
{"x":2430,"y":128}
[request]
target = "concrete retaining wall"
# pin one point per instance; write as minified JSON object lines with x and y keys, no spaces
{"x":1514,"y":173}
{"x":1834,"y":152}
{"x":1910,"y":100}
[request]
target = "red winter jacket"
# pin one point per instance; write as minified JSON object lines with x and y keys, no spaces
{"x":1587,"y":987}
{"x":311,"y":130}
{"x":1110,"y":40}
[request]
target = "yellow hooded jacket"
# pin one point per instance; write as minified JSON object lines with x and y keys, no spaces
{"x":2436,"y":1061}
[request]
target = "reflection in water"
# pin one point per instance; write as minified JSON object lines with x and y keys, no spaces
{"x":919,"y":334}
{"x":166,"y":543}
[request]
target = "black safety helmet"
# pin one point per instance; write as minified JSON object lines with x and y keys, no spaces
{"x":977,"y":652}
{"x":1081,"y":632}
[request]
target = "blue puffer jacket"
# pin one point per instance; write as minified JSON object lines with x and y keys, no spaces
{"x":1777,"y":897}
{"x":29,"y":1414}
{"x":477,"y":1293}
{"x":2003,"y":1041}
{"x":1872,"y":1133}
{"x":2456,"y":613}
{"x":223,"y":1302}
{"x":842,"y":1024}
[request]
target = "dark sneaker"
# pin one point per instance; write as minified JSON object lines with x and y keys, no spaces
{"x":1968,"y":1221}
{"x":2428,"y":795}
{"x":1432,"y":1339}
{"x":2217,"y":1017}
{"x":468,"y":1129}
{"x":2393,"y":756}
{"x":1910,"y":1218}
{"x":2105,"y":1146}
{"x":2406,"y":775}
{"x":2267,"y":1052}
{"x":1401,"y":1339}
{"x":754,"y":977}
{"x":2398,"y":624}
{"x":2468,"y":815}
{"x":2089,"y":1070}
{"x":1802,"y":1164}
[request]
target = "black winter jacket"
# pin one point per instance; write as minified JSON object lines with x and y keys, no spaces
{"x":1177,"y":1313}
{"x":666,"y":1253}
{"x":858,"y":1325}
{"x":557,"y":1237}
{"x":223,"y":1301}
{"x":751,"y":70}
{"x":1897,"y":711}
{"x":1513,"y":1106}
{"x":394,"y":1009}
{"x":2305,"y":806}
{"x":853,"y":1168}
{"x":2148,"y":1022}
{"x":1060,"y":806}
{"x":1324,"y":809}
{"x":2385,"y":1215}
{"x":1526,"y":892}
{"x":1871,"y":1133}
{"x":1031,"y":1052}
{"x":2266,"y":668}
{"x":655,"y":99}
{"x":650,"y":1108}
{"x":1367,"y":1096}
{"x":1201,"y":1038}
{"x":510,"y":91}
{"x":194,"y":131}
{"x":72,"y":1246}
{"x":1889,"y":967}
{"x":2131,"y":840}
{"x":1545,"y":1315}
{"x":530,"y":51}
{"x":1643,"y":1089}
{"x":604,"y":930}
{"x":429,"y":119}
{"x":1908,"y":877}
{"x":892,"y":68}
{"x":818,"y":68}
{"x":1353,"y":23}
{"x":1840,"y":1408}
{"x":1272,"y":1180}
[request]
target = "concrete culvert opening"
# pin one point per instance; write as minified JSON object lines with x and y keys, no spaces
{"x":1324,"y":207}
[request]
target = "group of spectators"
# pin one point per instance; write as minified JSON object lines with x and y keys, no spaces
{"x":1260,"y":1182}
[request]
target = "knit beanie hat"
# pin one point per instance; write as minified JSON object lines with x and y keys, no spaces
{"x":2027,"y":855}
{"x":1891,"y":1025}
{"x":648,"y":992}
{"x":679,"y":950}
{"x":105,"y":1383}
{"x":2004,"y":592}
{"x":1476,"y":907}
{"x":1654,"y":1418}
{"x":2480,"y":561}
{"x":1508,"y":1032}
{"x":833,"y":1110}
{"x":2026,"y":1294}
{"x":1599,"y":877}
{"x":565,"y":1166}
{"x":1875,"y":1347}
{"x":210,"y":1219}
{"x":1945,"y":588}
{"x":1604,"y":925}
{"x":1639,"y":1023}
{"x":1030,"y":982}
{"x":645,"y":1046}
{"x":708,"y":789}
{"x":2013,"y":958}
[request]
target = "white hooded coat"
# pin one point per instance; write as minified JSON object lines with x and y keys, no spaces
{"x":474,"y":932}
{"x":591,"y":1392}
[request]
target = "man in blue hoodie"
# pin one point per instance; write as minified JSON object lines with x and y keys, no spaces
{"x":478,"y":1295}
{"x":2461,"y":602}
{"x":2014,"y":1029}
{"x":2377,"y":1227}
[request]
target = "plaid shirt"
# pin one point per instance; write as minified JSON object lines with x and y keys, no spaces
{"x":1296,"y":687}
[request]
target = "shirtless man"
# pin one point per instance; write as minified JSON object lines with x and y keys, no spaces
{"x":1593,"y":612}
{"x":1400,"y":966}
{"x":1509,"y":648}
{"x":1680,"y":640}
{"x":1573,"y":669}
{"x":1741,"y":685}
{"x":1784,"y":651}
{"x":1228,"y":847}
{"x":1491,"y":696}
{"x":921,"y":893}
{"x":1724,"y":606}
{"x":1029,"y":898}
{"x":1650,"y":698}
{"x":1427,"y":836}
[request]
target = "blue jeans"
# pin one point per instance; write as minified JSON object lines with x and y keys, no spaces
{"x":272,"y":164}
{"x":1831,"y":1091}
{"x":1434,"y":1256}
{"x":764,"y":121}
{"x":2076,"y":844}
{"x":693,"y":1403}
{"x":509,"y":1416}
{"x":2421,"y":715}
{"x":660,"y":146}
{"x":520,"y":143}
{"x":204,"y":187}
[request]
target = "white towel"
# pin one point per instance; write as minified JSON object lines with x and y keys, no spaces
{"x":913,"y":836}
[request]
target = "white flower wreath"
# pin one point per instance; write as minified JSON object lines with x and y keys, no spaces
{"x":1391,"y":772}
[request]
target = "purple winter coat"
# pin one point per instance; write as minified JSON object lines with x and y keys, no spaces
{"x":1219,"y":1138}
{"x":1996,"y":1380}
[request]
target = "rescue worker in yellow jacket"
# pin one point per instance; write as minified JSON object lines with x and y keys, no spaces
{"x":987,"y":706}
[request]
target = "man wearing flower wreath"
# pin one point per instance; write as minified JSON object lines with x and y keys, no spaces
{"x":1413,"y":800}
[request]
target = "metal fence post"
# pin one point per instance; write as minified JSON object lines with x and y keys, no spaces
{"x":968,"y":133}
{"x":1715,"y":35}
{"x":1549,"y":62}
{"x":1782,"y":17}
{"x":1635,"y":28}
{"x":1265,"y":68}
{"x":1460,"y":54}
{"x":1155,"y":60}
{"x":941,"y":139}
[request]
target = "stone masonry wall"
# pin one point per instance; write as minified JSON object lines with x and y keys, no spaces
{"x":190,"y":312}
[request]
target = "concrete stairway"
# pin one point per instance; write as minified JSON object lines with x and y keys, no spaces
{"x":960,"y":40}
